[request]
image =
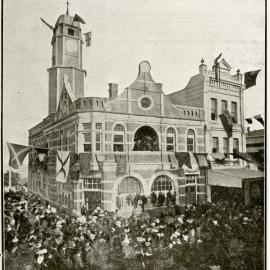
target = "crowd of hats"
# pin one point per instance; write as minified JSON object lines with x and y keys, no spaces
{"x":194,"y":237}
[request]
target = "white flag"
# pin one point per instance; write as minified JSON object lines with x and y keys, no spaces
{"x":62,"y":166}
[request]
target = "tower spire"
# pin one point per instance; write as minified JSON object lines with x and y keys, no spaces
{"x":67,"y":7}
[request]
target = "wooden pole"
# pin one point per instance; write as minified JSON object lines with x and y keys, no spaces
{"x":9,"y":178}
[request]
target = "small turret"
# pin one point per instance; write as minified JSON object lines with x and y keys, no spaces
{"x":202,"y":67}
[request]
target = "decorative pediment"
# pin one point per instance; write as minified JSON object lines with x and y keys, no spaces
{"x":64,"y":104}
{"x":143,"y":97}
{"x":223,"y":64}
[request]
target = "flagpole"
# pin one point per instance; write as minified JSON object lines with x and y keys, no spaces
{"x":9,"y":178}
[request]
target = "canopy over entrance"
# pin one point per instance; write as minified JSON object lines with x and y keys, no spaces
{"x":232,"y":177}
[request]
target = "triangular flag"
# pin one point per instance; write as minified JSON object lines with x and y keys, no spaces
{"x":259,"y":118}
{"x":17,"y":153}
{"x":249,"y":120}
{"x":78,"y":19}
{"x":62,"y":166}
{"x":250,"y":78}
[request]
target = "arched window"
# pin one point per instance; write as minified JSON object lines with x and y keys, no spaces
{"x":118,"y":138}
{"x":162,"y":183}
{"x":190,"y":141}
{"x":130,"y":185}
{"x":146,"y":139}
{"x":170,"y":139}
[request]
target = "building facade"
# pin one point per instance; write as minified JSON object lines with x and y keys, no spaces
{"x":129,"y":142}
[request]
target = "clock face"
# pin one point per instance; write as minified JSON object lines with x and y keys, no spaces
{"x":72,"y":45}
{"x":145,"y":102}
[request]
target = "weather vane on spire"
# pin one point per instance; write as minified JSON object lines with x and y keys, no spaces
{"x":67,"y":7}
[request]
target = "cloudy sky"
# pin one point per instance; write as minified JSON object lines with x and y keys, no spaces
{"x":172,"y":35}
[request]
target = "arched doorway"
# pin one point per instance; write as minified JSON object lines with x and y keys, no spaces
{"x":162,"y":191}
{"x":128,"y":188}
{"x":146,"y":139}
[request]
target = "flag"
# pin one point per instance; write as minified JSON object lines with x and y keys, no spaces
{"x":219,"y":157}
{"x":259,"y":118}
{"x":77,"y":18}
{"x":62,"y":166}
{"x":249,"y":120}
{"x":85,"y":159}
{"x":121,"y":161}
{"x":183,"y":159}
{"x":250,"y":78}
{"x":226,"y":120}
{"x":173,"y":160}
{"x":17,"y":153}
{"x":202,"y":160}
{"x":88,"y":37}
{"x":41,"y":159}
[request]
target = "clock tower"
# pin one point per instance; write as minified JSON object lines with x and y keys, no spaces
{"x":66,"y":59}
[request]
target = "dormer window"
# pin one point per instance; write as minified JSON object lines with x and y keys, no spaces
{"x":71,"y":32}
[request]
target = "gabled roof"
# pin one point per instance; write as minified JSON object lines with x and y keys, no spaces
{"x":144,"y":79}
{"x":130,"y":100}
{"x":224,"y":65}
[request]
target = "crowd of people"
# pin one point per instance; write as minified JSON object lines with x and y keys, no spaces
{"x":197,"y":236}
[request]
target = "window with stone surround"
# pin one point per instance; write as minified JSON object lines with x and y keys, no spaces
{"x":224,"y":106}
{"x":215,"y":148}
{"x":98,"y":141}
{"x":190,"y":179}
{"x":87,"y":142}
{"x":118,"y":138}
{"x":235,"y":146}
{"x":213,"y":109}
{"x":99,"y":126}
{"x":86,"y":126}
{"x":92,"y":183}
{"x":226,"y":147}
{"x":170,"y":139}
{"x":234,"y":112}
{"x":190,"y":140}
{"x":162,"y":183}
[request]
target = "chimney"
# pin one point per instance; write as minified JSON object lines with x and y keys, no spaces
{"x":202,"y":67}
{"x":113,"y":90}
{"x":248,"y":130}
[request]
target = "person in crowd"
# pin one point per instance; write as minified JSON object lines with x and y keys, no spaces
{"x":153,"y":198}
{"x":161,"y":199}
{"x":129,"y":199}
{"x":168,"y":198}
{"x":84,"y":210}
{"x":144,"y":202}
{"x":118,"y":202}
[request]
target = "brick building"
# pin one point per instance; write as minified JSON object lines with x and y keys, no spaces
{"x":128,"y":143}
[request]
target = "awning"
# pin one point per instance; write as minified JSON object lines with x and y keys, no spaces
{"x":232,"y":177}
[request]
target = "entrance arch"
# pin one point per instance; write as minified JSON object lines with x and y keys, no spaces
{"x":162,"y":183}
{"x":163,"y":191}
{"x":130,"y":185}
{"x":146,"y":139}
{"x":128,"y":188}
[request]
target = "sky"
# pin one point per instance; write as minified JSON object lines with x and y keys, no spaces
{"x":172,"y":35}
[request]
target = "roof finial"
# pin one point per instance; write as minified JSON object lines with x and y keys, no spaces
{"x":67,"y":7}
{"x":202,"y":61}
